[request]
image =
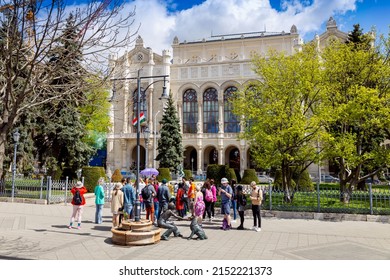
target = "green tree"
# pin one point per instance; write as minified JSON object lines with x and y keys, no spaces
{"x":170,"y":148}
{"x":60,"y":130}
{"x":283,"y":112}
{"x":28,"y":37}
{"x":357,"y":80}
{"x":358,"y":39}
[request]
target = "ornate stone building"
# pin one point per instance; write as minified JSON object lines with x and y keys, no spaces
{"x":202,"y":74}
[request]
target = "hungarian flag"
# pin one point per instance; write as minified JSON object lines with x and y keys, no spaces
{"x":141,"y":119}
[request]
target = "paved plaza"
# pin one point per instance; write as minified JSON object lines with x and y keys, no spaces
{"x":31,"y":231}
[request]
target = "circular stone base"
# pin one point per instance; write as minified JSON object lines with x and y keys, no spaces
{"x":124,"y":237}
{"x":141,"y":225}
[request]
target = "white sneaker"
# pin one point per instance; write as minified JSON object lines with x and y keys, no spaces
{"x":254,"y":228}
{"x":258,"y":229}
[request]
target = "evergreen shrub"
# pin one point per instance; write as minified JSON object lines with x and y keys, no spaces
{"x":117,"y":176}
{"x":188,"y":173}
{"x":249,"y":176}
{"x":164,"y":173}
{"x":91,"y":176}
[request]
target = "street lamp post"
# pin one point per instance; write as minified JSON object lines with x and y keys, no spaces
{"x":155,"y":138}
{"x":16,"y":137}
{"x":146,"y":136}
{"x":164,"y":96}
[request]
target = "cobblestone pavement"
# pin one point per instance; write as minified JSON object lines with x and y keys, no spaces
{"x":30,"y":231}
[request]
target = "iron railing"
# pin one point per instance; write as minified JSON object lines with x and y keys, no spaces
{"x":53,"y":191}
{"x":374,"y":201}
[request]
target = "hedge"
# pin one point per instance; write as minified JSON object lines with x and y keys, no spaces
{"x":249,"y":176}
{"x":91,"y":176}
{"x":164,"y":173}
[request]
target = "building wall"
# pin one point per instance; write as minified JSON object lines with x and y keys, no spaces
{"x":218,"y":62}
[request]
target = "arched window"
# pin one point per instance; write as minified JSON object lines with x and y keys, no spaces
{"x":143,"y":106}
{"x":231,"y":121}
{"x":190,"y":111}
{"x":210,"y":111}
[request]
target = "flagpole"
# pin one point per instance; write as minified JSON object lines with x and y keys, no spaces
{"x":137,"y":214}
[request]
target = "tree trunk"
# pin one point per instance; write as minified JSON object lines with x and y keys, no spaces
{"x":286,"y":181}
{"x":3,"y":139}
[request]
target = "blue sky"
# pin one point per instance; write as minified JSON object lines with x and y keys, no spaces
{"x":162,"y":20}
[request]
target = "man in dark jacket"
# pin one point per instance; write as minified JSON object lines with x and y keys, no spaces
{"x":163,"y":197}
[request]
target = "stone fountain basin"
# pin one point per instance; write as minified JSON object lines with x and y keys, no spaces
{"x":136,"y":233}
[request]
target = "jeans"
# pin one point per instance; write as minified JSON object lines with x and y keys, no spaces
{"x":156,"y":210}
{"x":128,"y":208}
{"x":234,"y":206}
{"x":98,"y":214}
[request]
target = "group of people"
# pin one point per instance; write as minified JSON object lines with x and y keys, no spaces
{"x":200,"y":201}
{"x":192,"y":200}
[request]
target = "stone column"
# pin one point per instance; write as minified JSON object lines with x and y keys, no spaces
{"x":200,"y":161}
{"x":123,"y":152}
{"x":180,"y":114}
{"x":200,"y":117}
{"x":220,"y":117}
{"x":220,"y":155}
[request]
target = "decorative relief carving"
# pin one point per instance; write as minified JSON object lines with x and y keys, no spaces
{"x":247,"y":68}
{"x":214,"y":71}
{"x":174,"y":73}
{"x":194,"y":72}
{"x":231,"y":70}
{"x":184,"y":73}
{"x":204,"y":72}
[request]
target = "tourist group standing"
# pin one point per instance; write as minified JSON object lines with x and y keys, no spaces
{"x":190,"y":200}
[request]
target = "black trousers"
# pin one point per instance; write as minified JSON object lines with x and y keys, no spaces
{"x":256,"y":216}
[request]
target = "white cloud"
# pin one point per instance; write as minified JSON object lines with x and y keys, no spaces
{"x":230,"y":16}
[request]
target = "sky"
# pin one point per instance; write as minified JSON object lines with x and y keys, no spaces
{"x":162,"y":20}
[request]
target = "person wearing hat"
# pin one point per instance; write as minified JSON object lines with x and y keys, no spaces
{"x":226,"y":193}
{"x":78,"y":203}
{"x":163,"y":197}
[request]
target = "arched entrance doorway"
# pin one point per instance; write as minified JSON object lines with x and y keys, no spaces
{"x":142,"y":158}
{"x":190,"y":159}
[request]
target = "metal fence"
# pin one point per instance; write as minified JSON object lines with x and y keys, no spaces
{"x":374,"y":201}
{"x":53,"y":191}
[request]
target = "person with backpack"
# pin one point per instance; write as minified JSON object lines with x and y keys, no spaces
{"x":78,"y":203}
{"x":240,"y":199}
{"x":148,"y":193}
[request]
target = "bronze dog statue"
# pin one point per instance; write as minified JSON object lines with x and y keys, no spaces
{"x":196,"y":229}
